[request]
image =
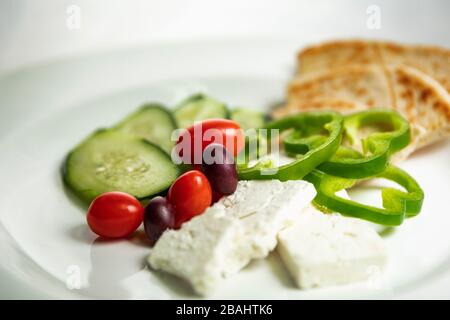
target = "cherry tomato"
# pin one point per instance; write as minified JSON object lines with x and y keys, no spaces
{"x":200,"y":135}
{"x":190,"y":195}
{"x":115,"y":215}
{"x":159,"y":216}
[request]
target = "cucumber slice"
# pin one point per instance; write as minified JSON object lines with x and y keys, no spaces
{"x":152,"y":122}
{"x":247,"y":118}
{"x":197,"y":108}
{"x":110,"y":160}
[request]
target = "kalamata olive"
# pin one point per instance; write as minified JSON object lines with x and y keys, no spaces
{"x":159,"y":215}
{"x":219,"y":167}
{"x":216,"y":196}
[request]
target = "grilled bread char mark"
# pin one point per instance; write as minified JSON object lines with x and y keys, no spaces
{"x":417,"y":96}
{"x":435,"y":61}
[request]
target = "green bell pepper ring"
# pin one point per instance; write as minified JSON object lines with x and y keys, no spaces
{"x":396,"y":204}
{"x":315,"y":151}
{"x":377,"y":147}
{"x":256,"y":146}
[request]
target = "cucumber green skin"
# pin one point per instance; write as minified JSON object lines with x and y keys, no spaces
{"x":146,"y":107}
{"x":250,"y":118}
{"x":225,"y":112}
{"x":87,"y":196}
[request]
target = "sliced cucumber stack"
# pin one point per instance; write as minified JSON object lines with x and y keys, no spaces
{"x":152,"y":122}
{"x":110,"y":160}
{"x":197,"y":108}
{"x":247,"y":118}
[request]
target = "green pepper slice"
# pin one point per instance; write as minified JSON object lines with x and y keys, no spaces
{"x":377,"y":147}
{"x":397,"y":205}
{"x":316,"y":148}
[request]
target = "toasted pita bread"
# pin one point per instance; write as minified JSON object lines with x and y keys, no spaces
{"x":423,"y":101}
{"x":363,"y":84}
{"x":434,"y":61}
{"x":343,"y":106}
{"x":417,"y":96}
{"x":337,"y":53}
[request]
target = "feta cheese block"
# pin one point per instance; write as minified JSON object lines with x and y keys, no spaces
{"x":322,"y":250}
{"x":264,"y":208}
{"x":200,"y":250}
{"x":227,"y":236}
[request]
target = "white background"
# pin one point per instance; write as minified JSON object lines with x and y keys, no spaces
{"x":35,"y":31}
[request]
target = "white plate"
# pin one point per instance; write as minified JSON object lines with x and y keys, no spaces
{"x":46,"y":110}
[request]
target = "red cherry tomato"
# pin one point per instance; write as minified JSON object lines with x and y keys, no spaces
{"x":190,"y":195}
{"x":115,"y":214}
{"x":202,"y":134}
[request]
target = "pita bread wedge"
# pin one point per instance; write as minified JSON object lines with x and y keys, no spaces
{"x":363,"y":84}
{"x":337,"y":53}
{"x":418,"y":97}
{"x":423,"y":101}
{"x":343,"y":106}
{"x":434,"y":61}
